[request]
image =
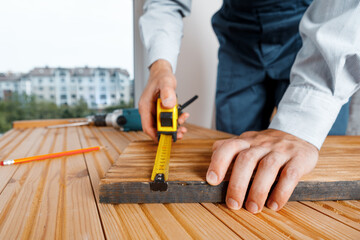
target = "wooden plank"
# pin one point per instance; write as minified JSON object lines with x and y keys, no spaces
{"x":294,"y":221}
{"x":45,"y":122}
{"x":339,"y":211}
{"x":24,"y":140}
{"x":16,"y":222}
{"x":258,"y":226}
{"x":164,"y":222}
{"x":236,"y":226}
{"x":200,"y":223}
{"x":98,"y":163}
{"x":128,"y":180}
{"x":319,"y":224}
{"x":54,"y":195}
{"x":80,"y":215}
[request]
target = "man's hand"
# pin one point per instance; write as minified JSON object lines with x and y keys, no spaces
{"x":269,"y":152}
{"x":161,"y":81}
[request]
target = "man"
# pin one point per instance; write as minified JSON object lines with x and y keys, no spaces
{"x":259,"y":41}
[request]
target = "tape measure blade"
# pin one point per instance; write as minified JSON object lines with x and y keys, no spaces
{"x":162,"y":158}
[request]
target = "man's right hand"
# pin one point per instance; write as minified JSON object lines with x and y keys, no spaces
{"x":161,"y":81}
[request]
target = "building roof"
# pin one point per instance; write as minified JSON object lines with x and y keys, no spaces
{"x":76,"y":72}
{"x":10,"y":77}
{"x":41,"y":72}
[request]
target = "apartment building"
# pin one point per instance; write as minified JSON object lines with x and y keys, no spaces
{"x":98,"y":87}
{"x":9,"y":82}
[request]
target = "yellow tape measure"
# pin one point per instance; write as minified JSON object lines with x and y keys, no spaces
{"x":167,"y":126}
{"x":162,"y":158}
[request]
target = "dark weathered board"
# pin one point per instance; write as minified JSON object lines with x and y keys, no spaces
{"x":336,"y":177}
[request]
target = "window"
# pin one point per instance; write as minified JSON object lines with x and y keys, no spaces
{"x":113,"y":96}
{"x":73,"y":96}
{"x":102,"y":80}
{"x":63,"y":80}
{"x":63,"y":89}
{"x":72,"y":80}
{"x":40,"y":80}
{"x":91,"y":88}
{"x":63,"y":97}
{"x":52,"y":97}
{"x":92,"y":96}
{"x":80,"y":80}
{"x":51,"y":88}
{"x":80,"y":88}
{"x":103,"y":96}
{"x":41,"y":88}
{"x":103,"y":89}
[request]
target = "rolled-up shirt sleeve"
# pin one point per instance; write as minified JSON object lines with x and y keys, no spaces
{"x":326,"y":71}
{"x":161,"y":29}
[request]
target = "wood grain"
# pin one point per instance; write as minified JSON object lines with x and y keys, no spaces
{"x":58,"y":198}
{"x":44,"y":123}
{"x":336,"y":176}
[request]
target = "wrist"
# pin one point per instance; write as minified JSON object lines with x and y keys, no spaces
{"x":160,"y":65}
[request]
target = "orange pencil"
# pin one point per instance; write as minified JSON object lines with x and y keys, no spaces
{"x":46,"y":156}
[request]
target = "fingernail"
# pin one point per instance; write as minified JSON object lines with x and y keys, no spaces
{"x":211,"y":177}
{"x":273,"y":205}
{"x":167,"y":101}
{"x":252,"y":207}
{"x":232,"y":204}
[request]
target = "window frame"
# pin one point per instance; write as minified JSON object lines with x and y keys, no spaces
{"x":141,"y":72}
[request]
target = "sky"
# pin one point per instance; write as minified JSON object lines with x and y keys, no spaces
{"x":66,"y":33}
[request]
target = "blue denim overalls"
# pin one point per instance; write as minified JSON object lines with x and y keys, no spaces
{"x":259,"y":40}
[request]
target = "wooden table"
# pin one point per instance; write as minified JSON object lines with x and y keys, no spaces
{"x":59,"y":198}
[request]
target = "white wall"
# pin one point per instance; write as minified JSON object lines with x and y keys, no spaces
{"x":197,"y":64}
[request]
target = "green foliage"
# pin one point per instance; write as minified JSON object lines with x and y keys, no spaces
{"x":22,"y":107}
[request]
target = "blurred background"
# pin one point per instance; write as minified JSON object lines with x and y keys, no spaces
{"x":62,"y":59}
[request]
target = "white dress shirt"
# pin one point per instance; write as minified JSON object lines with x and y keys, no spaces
{"x":325,"y":74}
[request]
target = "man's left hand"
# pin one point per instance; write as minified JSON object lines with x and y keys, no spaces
{"x":269,"y":152}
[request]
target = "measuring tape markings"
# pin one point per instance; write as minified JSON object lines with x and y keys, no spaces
{"x":162,"y":158}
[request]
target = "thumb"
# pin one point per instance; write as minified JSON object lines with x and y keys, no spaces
{"x":168,"y":97}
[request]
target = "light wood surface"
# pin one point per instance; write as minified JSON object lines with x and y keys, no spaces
{"x":339,"y":160}
{"x":336,"y":176}
{"x":58,"y":198}
{"x":44,"y":123}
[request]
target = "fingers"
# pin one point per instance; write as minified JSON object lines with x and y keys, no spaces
{"x":217,"y":144}
{"x":147,"y":113}
{"x":241,"y":174}
{"x":183,"y":117}
{"x":265,"y":176}
{"x":222,"y":158}
{"x":168,"y":97}
{"x":288,"y":180}
{"x":266,"y":152}
{"x":181,"y":132}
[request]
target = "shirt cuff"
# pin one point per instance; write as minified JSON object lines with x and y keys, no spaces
{"x":306,"y":113}
{"x":162,"y":49}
